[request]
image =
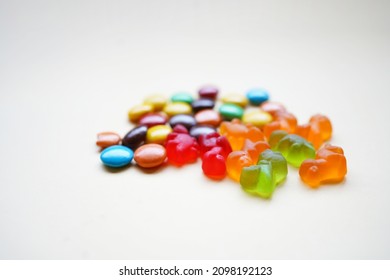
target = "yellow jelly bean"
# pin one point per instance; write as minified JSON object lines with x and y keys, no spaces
{"x":157,"y":134}
{"x":236,"y":99}
{"x":256,"y":117}
{"x":176,"y":108}
{"x":138,"y":111}
{"x":157,"y":101}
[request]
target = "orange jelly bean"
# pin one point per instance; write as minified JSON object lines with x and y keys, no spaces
{"x":329,"y":166}
{"x":107,"y":139}
{"x":317,"y":131}
{"x":236,"y":133}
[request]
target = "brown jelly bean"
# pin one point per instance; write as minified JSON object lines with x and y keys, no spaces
{"x":202,"y":104}
{"x":208,"y":117}
{"x":201,"y":129}
{"x":150,"y":155}
{"x":185,"y":120}
{"x":209,"y":92}
{"x":135,"y":137}
{"x":107,"y":139}
{"x":153,"y":119}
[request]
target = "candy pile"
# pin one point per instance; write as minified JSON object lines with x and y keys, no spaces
{"x":249,"y":138}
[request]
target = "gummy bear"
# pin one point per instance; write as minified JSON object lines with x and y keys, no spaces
{"x":282,"y":120}
{"x":329,"y":166}
{"x":293,"y":147}
{"x":261,"y":179}
{"x":211,"y":140}
{"x":248,"y":156}
{"x":214,"y":163}
{"x":318,"y":130}
{"x":181,"y":147}
{"x":236,"y":133}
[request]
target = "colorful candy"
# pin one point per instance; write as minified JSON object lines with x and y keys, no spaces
{"x":187,"y":121}
{"x":231,"y":111}
{"x":158,"y":134}
{"x":138,"y":111}
{"x":208,"y":117}
{"x":157,"y":101}
{"x":181,"y":147}
{"x":153,"y":119}
{"x":257,"y":117}
{"x":176,"y":108}
{"x":150,"y":155}
{"x":107,"y":139}
{"x":212,"y":140}
{"x":235,"y":99}
{"x":116,"y":156}
{"x":318,"y":130}
{"x":257,"y":96}
{"x":135,"y":137}
{"x":282,"y":120}
{"x":329,"y":166}
{"x":209,"y":92}
{"x":198,"y":130}
{"x":182,"y":97}
{"x":202,"y":104}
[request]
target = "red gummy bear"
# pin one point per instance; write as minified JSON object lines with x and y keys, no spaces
{"x":181,"y":147}
{"x":211,"y":140}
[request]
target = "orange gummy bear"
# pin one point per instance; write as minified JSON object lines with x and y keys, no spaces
{"x":236,"y":133}
{"x":329,"y":166}
{"x":247,"y":157}
{"x":283,"y":120}
{"x":317,"y":131}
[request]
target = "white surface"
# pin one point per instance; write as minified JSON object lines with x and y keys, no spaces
{"x":71,"y":69}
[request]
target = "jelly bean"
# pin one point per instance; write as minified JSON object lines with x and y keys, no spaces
{"x":208,"y":92}
{"x":198,"y":130}
{"x":209,"y":141}
{"x":295,"y":149}
{"x":329,"y":166}
{"x":181,"y":147}
{"x":214,"y":163}
{"x":176,"y":108}
{"x":282,"y":121}
{"x":208,"y":117}
{"x":202,"y":104}
{"x":278,"y":162}
{"x":318,"y":130}
{"x":182,"y":97}
{"x":150,"y":155}
{"x":153,"y":119}
{"x":135,"y":137}
{"x":231,"y":111}
{"x":236,"y":133}
{"x":257,"y":96}
{"x":236,"y":99}
{"x":258,"y":118}
{"x":187,"y":121}
{"x":138,"y":111}
{"x":158,"y":134}
{"x":157,"y":101}
{"x":116,"y":156}
{"x":107,"y":139}
{"x":258,"y":179}
{"x":272,"y":107}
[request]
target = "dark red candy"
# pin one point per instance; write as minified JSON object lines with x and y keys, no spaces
{"x":135,"y":137}
{"x":202,"y":104}
{"x":214,"y":164}
{"x":187,"y":121}
{"x":209,"y":92}
{"x":209,"y":141}
{"x":181,"y":147}
{"x":153,"y":119}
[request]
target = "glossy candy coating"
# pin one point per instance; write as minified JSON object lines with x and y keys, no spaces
{"x":202,"y":104}
{"x":317,"y":131}
{"x":257,"y":117}
{"x":209,"y":92}
{"x":257,"y":96}
{"x":231,"y":111}
{"x":208,"y":117}
{"x":236,"y":133}
{"x":295,"y":149}
{"x":153,"y":119}
{"x":329,"y":166}
{"x":176,"y":108}
{"x":135,"y":137}
{"x":182,"y":97}
{"x":158,"y":134}
{"x":116,"y":156}
{"x":181,"y":147}
{"x":236,"y":99}
{"x":150,"y":155}
{"x":138,"y":111}
{"x":187,"y":121}
{"x":107,"y":139}
{"x":198,"y":130}
{"x":157,"y":101}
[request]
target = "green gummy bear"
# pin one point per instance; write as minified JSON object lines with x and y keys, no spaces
{"x":278,"y":162}
{"x":295,"y":149}
{"x":258,"y":179}
{"x":275,"y":138}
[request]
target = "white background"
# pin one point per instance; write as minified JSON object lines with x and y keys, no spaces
{"x":70,"y":69}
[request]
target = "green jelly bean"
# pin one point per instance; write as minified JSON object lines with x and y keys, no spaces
{"x":278,"y":162}
{"x":258,"y":179}
{"x":231,"y":111}
{"x":182,"y":97}
{"x":295,"y":149}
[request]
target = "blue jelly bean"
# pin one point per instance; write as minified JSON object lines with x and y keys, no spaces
{"x":117,"y":156}
{"x":257,"y":96}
